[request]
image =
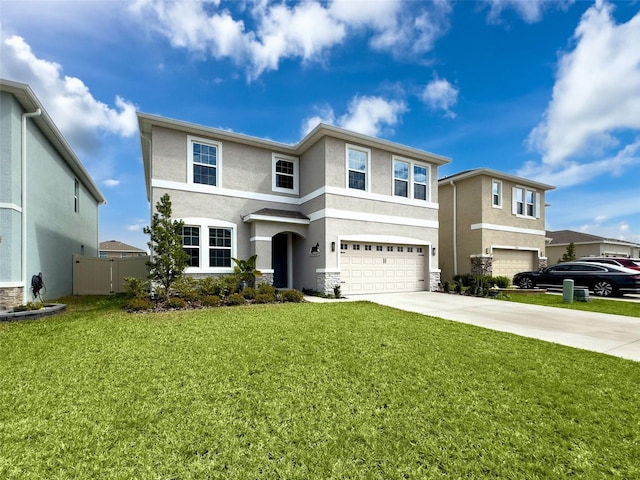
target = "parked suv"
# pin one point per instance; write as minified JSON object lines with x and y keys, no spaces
{"x":633,"y":263}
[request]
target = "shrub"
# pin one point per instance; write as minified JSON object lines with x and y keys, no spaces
{"x":501,"y":282}
{"x":265,"y":298}
{"x":226,"y":285}
{"x":249,"y":293}
{"x":293,"y":296}
{"x":446,"y":287}
{"x":458,"y":287}
{"x":187,"y":288}
{"x":28,"y":307}
{"x":136,"y":287}
{"x":265,"y":288}
{"x":208,"y":286}
{"x":176,"y":302}
{"x":136,"y":304}
{"x":211,"y":300}
{"x":236,"y":299}
{"x":466,"y":279}
{"x":337,"y":292}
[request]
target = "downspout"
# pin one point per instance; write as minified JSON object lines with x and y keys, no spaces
{"x":23,"y":201}
{"x":455,"y":227}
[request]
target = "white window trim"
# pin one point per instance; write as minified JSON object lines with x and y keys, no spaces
{"x":204,"y":224}
{"x":367,"y":173}
{"x":499,"y":182}
{"x":536,"y":203}
{"x":411,"y":180}
{"x":205,"y":141}
{"x":394,"y":178}
{"x":296,"y":174}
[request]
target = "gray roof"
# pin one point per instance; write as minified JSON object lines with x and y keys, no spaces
{"x":495,"y":174}
{"x":117,"y":246}
{"x":564,"y":237}
{"x":29,"y":102}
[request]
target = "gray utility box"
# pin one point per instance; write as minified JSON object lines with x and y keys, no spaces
{"x":581,"y":295}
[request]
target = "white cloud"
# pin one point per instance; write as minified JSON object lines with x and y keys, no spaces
{"x":276,"y":30}
{"x":111,"y":182}
{"x":366,"y":115}
{"x":531,"y":11}
{"x":78,"y":115}
{"x":596,"y":92}
{"x":440,"y":95}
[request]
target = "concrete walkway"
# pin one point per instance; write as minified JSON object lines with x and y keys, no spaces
{"x":611,"y":334}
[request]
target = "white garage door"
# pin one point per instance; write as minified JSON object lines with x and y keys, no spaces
{"x":509,"y":262}
{"x":378,"y":268}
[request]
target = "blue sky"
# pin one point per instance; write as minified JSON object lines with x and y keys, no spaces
{"x":549,"y":90}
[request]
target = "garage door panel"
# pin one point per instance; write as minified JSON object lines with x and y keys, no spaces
{"x":381,"y":268}
{"x":509,"y":262}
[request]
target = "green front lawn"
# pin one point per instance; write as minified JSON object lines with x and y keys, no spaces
{"x":335,"y":390}
{"x":600,"y":305}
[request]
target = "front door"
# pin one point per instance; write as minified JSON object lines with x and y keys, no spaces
{"x":280,"y":260}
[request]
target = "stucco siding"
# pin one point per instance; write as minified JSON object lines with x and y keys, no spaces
{"x":169,"y":155}
{"x":312,"y":169}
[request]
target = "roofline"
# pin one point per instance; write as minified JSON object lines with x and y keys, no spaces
{"x":146,"y":121}
{"x":493,"y":173}
{"x":588,"y":242}
{"x":29,"y":102}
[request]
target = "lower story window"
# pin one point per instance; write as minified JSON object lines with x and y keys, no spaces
{"x":219,"y":247}
{"x":191,"y":245}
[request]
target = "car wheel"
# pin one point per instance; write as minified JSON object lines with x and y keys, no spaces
{"x":526,"y":282}
{"x":603,"y":288}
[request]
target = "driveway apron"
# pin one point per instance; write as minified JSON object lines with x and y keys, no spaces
{"x":615,"y":335}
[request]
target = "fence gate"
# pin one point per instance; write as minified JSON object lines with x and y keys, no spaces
{"x":104,"y":276}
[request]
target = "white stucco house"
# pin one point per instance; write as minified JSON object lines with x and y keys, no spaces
{"x":48,"y":201}
{"x":336,"y":208}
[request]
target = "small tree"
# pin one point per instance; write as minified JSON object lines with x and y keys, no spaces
{"x":168,"y":259}
{"x":570,"y":254}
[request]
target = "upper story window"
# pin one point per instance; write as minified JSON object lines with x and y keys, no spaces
{"x":496,"y":193}
{"x":285,"y":174}
{"x":204,"y":161}
{"x":358,"y":160}
{"x":526,"y":203}
{"x":410,"y":180}
{"x":76,"y":196}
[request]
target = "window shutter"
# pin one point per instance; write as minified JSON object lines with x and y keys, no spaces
{"x":514,"y":201}
{"x":537,"y":205}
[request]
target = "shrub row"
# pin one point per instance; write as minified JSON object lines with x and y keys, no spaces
{"x":188,"y":292}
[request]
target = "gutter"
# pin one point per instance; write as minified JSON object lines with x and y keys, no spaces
{"x":455,"y":227}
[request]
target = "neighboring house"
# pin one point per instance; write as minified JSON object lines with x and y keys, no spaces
{"x":48,"y":201}
{"x":337,"y":208}
{"x":116,"y":249}
{"x":491,"y":223}
{"x":587,"y":245}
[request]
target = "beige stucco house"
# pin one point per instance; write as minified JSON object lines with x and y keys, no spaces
{"x":491,"y":222}
{"x":337,"y":208}
{"x":588,"y":245}
{"x":118,"y":249}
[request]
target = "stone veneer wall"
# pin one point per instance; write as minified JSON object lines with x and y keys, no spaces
{"x":264,"y":278}
{"x":542,"y":262}
{"x":326,"y":281}
{"x":10,"y":297}
{"x":434,"y":281}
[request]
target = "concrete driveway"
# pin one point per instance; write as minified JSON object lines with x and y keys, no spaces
{"x":611,"y":334}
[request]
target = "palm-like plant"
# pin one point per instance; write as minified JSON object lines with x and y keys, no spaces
{"x":246,"y":270}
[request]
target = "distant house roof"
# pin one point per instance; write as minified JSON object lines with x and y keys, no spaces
{"x":493,"y":173}
{"x":29,"y":102}
{"x":116,"y":246}
{"x":565,"y":237}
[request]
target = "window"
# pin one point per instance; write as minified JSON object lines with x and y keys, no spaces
{"x":204,"y":161}
{"x":409,"y":249}
{"x":401,"y":249}
{"x":103,"y":254}
{"x":76,"y":196}
{"x":356,"y":246}
{"x":389,"y":248}
{"x":526,"y":203}
{"x":344,"y":246}
{"x":219,"y":247}
{"x":400,"y":179}
{"x":285,"y":174}
{"x":410,"y":180}
{"x":378,"y":248}
{"x":420,"y":179}
{"x":191,"y":245}
{"x":367,"y":248}
{"x":419,"y":249}
{"x":496,"y":193}
{"x":357,"y":167}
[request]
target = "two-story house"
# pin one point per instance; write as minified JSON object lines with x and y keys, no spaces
{"x":491,"y":223}
{"x":588,"y":245}
{"x":48,"y":201}
{"x":337,"y":208}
